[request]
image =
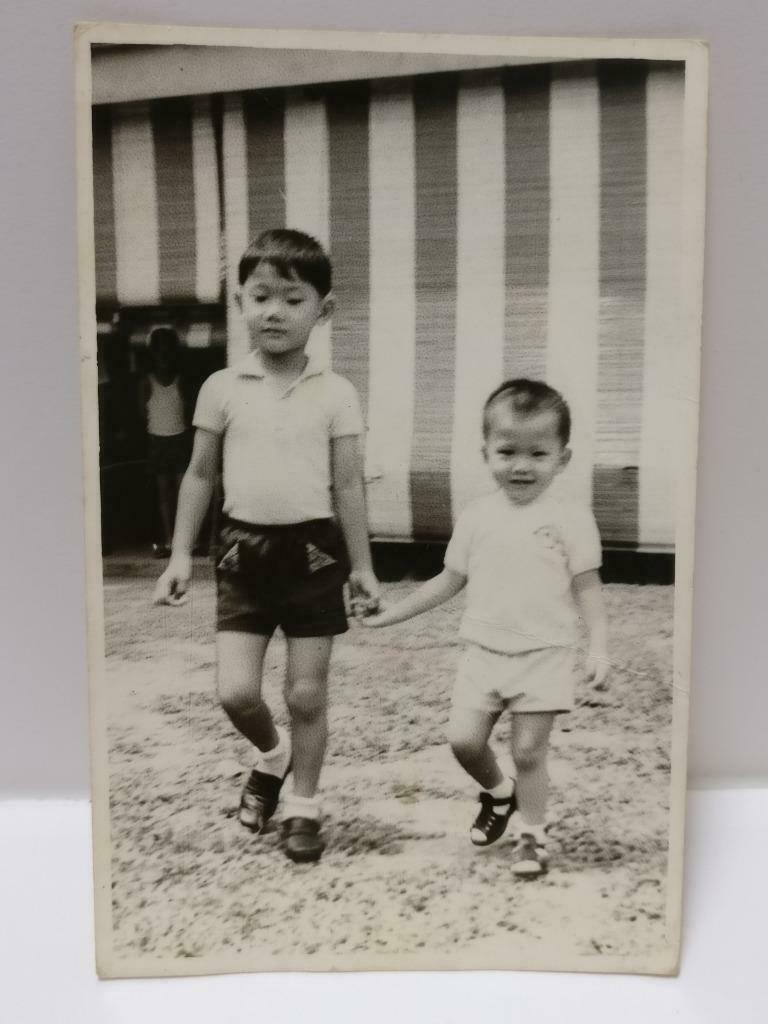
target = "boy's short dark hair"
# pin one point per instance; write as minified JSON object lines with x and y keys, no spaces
{"x":290,"y":253}
{"x":529,"y":397}
{"x":160,"y":336}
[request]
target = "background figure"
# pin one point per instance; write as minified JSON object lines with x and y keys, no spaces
{"x":166,"y":417}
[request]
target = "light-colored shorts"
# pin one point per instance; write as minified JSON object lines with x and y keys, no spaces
{"x":532,"y":681}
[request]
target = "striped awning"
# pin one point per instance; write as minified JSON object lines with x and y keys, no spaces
{"x":157,"y":209}
{"x":519,"y":221}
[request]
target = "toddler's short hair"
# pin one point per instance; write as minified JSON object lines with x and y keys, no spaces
{"x":528,"y":397}
{"x":289,"y":252}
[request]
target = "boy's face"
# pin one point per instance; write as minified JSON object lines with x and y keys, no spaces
{"x":280,"y":313}
{"x":524,"y":453}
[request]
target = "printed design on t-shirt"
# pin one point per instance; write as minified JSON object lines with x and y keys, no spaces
{"x":231,"y":561}
{"x":550,"y":539}
{"x":317,"y":559}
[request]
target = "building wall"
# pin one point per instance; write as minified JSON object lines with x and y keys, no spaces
{"x":482,"y":224}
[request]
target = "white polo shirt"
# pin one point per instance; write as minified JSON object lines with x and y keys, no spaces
{"x":277,"y":447}
{"x":520,"y":562}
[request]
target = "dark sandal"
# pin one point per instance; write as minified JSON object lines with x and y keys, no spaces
{"x":490,"y":824}
{"x":259,"y":799}
{"x":301,"y":840}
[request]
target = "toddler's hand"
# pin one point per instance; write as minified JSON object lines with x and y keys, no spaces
{"x":173,"y":585}
{"x":380,"y":616}
{"x":363,"y":593}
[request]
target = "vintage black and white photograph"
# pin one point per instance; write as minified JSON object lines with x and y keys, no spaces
{"x":390,"y":353}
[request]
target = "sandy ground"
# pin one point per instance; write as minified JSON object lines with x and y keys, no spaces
{"x":399,"y":875}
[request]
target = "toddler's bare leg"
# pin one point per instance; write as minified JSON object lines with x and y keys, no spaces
{"x":468,"y":734}
{"x":529,"y":740}
{"x":240,"y":665}
{"x":306,"y":694}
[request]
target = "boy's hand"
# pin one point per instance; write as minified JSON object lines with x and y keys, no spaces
{"x":597,"y":668}
{"x":173,"y":585}
{"x":364,"y":593}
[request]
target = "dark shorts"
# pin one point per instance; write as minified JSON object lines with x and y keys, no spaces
{"x":288,"y":576}
{"x":169,"y":454}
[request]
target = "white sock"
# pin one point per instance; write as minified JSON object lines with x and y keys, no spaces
{"x":300,"y":807}
{"x":503,"y":791}
{"x":276,"y":760}
{"x":537,"y":831}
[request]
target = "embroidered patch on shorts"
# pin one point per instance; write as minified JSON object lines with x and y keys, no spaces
{"x":231,"y":561}
{"x":317,"y":559}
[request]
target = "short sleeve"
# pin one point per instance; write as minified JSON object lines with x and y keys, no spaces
{"x":209,"y":410}
{"x":346,"y":414}
{"x":457,"y":552}
{"x":582,"y":540}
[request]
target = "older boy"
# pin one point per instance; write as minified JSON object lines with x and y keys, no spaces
{"x":531,"y":564}
{"x":288,"y":429}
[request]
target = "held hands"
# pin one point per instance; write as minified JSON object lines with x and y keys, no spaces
{"x":173,"y":585}
{"x":363,"y":593}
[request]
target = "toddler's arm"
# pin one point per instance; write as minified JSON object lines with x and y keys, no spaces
{"x":432,"y":593}
{"x":588,"y":591}
{"x":194,"y":498}
{"x":349,"y":499}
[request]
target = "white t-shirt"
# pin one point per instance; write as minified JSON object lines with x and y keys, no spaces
{"x":277,"y":467}
{"x":520,"y":562}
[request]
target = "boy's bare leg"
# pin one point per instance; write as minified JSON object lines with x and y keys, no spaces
{"x":240,"y":659}
{"x":306,"y":694}
{"x":468,"y":734}
{"x":529,"y":741}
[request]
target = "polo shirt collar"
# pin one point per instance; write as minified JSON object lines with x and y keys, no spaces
{"x":252,"y":366}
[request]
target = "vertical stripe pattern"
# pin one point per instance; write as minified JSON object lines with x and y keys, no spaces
{"x":480,"y":277}
{"x":622,"y":296}
{"x":435,"y":137}
{"x":349,"y":232}
{"x":393,"y":309}
{"x":264,"y":114}
{"x":135,"y":192}
{"x":207,"y":216}
{"x":235,"y":169}
{"x":664,"y":105}
{"x":172,"y":137}
{"x":306,"y":181}
{"x":517,"y":222}
{"x":574,"y":261}
{"x":104,"y":206}
{"x":526,"y":141}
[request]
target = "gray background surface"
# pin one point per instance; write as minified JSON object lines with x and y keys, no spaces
{"x":44,"y":725}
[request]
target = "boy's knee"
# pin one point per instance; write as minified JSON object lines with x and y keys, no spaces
{"x":238,"y":703}
{"x":306,"y":698}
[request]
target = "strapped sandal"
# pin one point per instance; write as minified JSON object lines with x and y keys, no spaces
{"x":490,"y":825}
{"x":259,"y":799}
{"x":529,"y":858}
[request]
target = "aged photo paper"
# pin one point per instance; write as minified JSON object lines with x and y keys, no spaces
{"x":491,"y":209}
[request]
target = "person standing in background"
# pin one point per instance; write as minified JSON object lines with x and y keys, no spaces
{"x":166,"y":418}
